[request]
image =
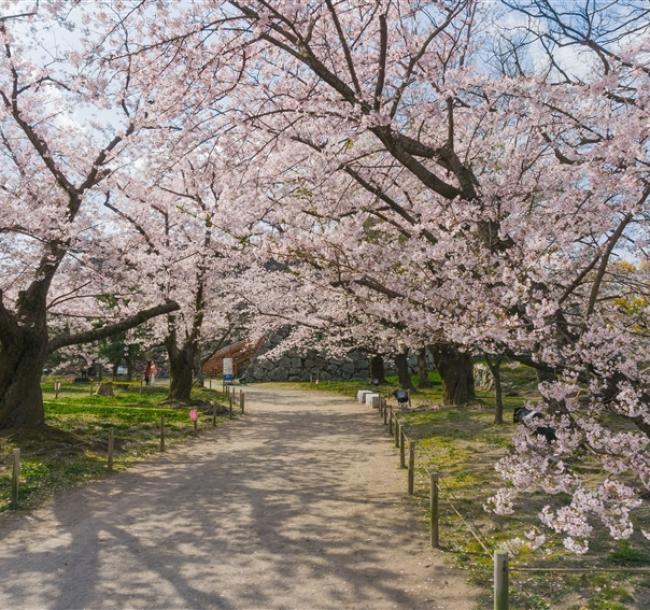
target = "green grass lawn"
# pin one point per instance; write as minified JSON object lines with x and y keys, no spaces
{"x":463,"y":444}
{"x":73,"y":445}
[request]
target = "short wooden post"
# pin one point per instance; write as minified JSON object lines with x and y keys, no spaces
{"x":141,"y":384}
{"x":396,"y":431}
{"x":196,"y":426}
{"x":408,"y":393}
{"x":385,"y":412}
{"x":15,"y":476}
{"x":162,"y":432}
{"x":57,"y":388}
{"x":230,"y":405}
{"x":214,"y":416}
{"x":390,"y":420}
{"x":435,"y":514}
{"x":411,"y":474}
{"x":210,"y":381}
{"x":242,"y":401}
{"x":111,"y":446}
{"x":381,"y":405}
{"x":501,"y":601}
{"x":402,"y":456}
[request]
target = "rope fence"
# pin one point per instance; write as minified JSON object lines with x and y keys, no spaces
{"x":13,"y":460}
{"x":502,"y":566}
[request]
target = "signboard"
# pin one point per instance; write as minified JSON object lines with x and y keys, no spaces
{"x":228,"y":374}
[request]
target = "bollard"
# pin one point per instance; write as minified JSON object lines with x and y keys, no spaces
{"x":111,"y":445}
{"x":385,"y":412}
{"x":214,"y":416}
{"x":396,"y":432}
{"x":501,"y":580}
{"x":390,"y":420}
{"x":242,"y":400}
{"x":435,"y":514}
{"x":411,"y":473}
{"x":402,"y":457}
{"x":162,"y":432}
{"x":15,"y":476}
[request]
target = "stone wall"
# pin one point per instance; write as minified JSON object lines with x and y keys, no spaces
{"x":301,"y":367}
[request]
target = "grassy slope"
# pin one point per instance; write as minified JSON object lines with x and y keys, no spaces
{"x":73,"y":446}
{"x":463,"y":445}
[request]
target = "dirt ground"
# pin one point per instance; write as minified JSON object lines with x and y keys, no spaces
{"x":298,"y":505}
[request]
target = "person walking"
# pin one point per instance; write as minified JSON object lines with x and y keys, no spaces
{"x":150,"y":372}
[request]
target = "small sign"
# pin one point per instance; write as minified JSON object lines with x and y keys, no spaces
{"x":228,"y":371}
{"x":194,"y":415}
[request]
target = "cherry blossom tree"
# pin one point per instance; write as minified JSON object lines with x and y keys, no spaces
{"x":59,"y":154}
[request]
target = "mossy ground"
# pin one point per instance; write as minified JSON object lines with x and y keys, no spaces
{"x":73,"y":445}
{"x":463,"y":445}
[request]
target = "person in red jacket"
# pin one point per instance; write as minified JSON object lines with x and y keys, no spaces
{"x":150,"y":372}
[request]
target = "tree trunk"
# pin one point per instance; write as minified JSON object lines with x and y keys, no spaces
{"x":423,"y":373}
{"x":377,"y":370}
{"x":199,"y":378}
{"x":21,"y":368}
{"x":457,"y":374}
{"x":495,"y":369}
{"x":131,"y":352}
{"x":181,"y":368}
{"x":403,"y":373}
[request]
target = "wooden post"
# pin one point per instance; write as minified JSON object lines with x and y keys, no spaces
{"x":57,"y":388}
{"x":411,"y":474}
{"x":396,"y":431}
{"x":385,"y":412}
{"x":162,"y":432}
{"x":15,"y":476}
{"x":111,"y":446}
{"x":242,"y":400}
{"x":381,"y":405}
{"x":196,"y":426}
{"x":402,"y":457}
{"x":141,"y":383}
{"x":210,"y":380}
{"x":229,"y":404}
{"x":214,"y":416}
{"x":408,"y":393}
{"x":501,"y":580}
{"x":390,"y":420}
{"x":435,"y":514}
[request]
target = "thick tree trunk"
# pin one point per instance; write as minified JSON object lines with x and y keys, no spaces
{"x":456,"y":372}
{"x":21,"y":368}
{"x":181,"y":363}
{"x":423,"y":372}
{"x":495,"y":369}
{"x":377,"y":371}
{"x":403,"y":373}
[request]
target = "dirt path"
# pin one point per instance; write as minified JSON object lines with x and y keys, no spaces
{"x":299,"y":505}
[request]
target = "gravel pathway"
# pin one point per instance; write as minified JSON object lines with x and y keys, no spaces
{"x":298,"y":505}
